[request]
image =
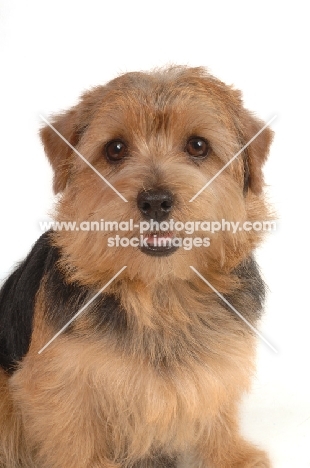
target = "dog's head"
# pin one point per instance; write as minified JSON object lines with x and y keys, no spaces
{"x":157,"y":139}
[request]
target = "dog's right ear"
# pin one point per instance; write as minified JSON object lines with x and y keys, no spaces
{"x":71,"y":125}
{"x":57,"y":150}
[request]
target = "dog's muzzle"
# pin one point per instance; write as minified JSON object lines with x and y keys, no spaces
{"x":156,"y":205}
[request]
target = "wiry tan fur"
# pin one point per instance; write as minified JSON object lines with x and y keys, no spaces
{"x":168,"y":396}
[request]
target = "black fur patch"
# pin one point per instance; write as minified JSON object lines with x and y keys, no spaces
{"x":246,"y":172}
{"x":17,"y":299}
{"x":157,"y":462}
{"x":249,"y":298}
{"x":64,"y":300}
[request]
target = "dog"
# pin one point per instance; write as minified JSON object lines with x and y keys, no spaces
{"x":152,"y":361}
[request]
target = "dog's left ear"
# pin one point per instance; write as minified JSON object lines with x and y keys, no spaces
{"x":257,"y":151}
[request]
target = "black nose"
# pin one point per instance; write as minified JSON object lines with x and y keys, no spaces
{"x":155,"y":204}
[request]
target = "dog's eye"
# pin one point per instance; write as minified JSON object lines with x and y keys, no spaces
{"x":115,"y":150}
{"x":197,"y":147}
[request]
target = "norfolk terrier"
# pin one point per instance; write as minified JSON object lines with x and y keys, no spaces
{"x":121,"y":348}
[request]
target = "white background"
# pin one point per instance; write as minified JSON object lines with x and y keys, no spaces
{"x":53,"y":50}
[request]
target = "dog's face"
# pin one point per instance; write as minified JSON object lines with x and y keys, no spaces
{"x":157,"y":139}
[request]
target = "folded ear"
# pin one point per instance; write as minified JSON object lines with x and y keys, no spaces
{"x":57,"y":150}
{"x":257,"y":151}
{"x":71,"y":125}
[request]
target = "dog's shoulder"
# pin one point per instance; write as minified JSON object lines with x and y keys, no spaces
{"x":17,"y":301}
{"x":249,"y":297}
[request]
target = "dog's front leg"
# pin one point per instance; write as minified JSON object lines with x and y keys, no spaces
{"x":63,"y":423}
{"x":222,"y":446}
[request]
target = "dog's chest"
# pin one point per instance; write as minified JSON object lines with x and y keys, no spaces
{"x":160,"y":386}
{"x":160,"y":406}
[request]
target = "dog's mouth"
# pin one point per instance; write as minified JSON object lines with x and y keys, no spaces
{"x":159,"y":244}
